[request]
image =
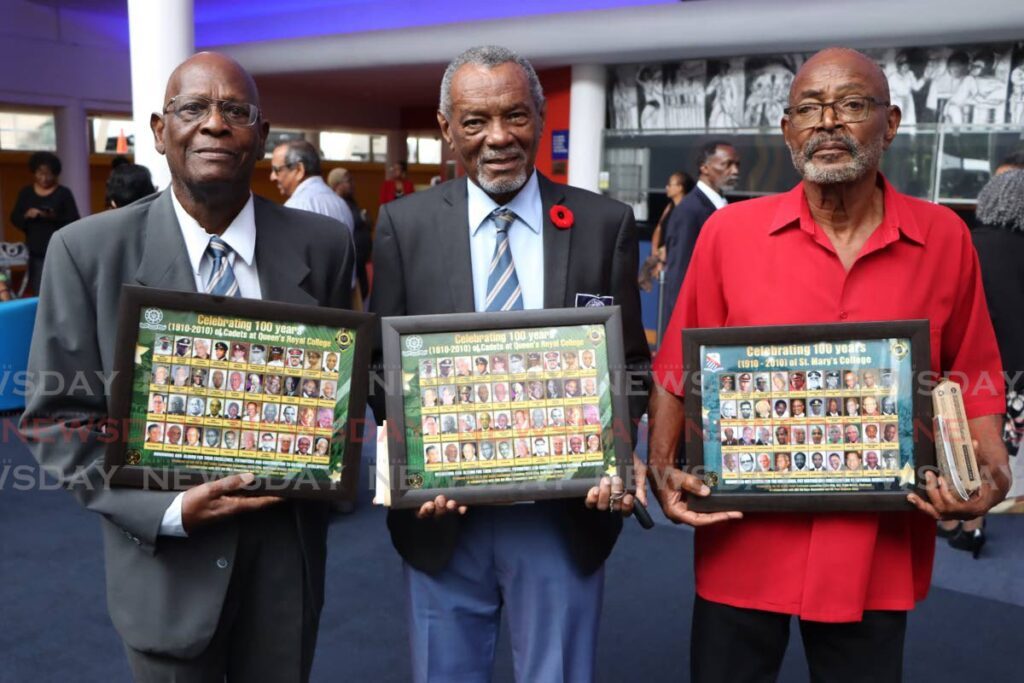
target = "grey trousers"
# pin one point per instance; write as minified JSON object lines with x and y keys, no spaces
{"x":267,"y":629}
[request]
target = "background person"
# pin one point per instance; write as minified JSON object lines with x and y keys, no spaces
{"x":999,"y":239}
{"x":42,"y":208}
{"x":340,"y":180}
{"x":678,"y":186}
{"x":718,"y":163}
{"x":128,"y":183}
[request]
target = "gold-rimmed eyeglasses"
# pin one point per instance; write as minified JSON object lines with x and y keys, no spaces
{"x":847,"y":110}
{"x":195,"y":108}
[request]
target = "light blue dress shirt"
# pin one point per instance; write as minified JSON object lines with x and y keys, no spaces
{"x":525,"y":239}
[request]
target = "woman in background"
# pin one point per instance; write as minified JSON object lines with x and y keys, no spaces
{"x":679,"y":184}
{"x":42,"y":208}
{"x":128,"y":183}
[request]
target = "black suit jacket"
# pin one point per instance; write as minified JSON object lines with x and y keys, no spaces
{"x":681,"y":232}
{"x":422,"y":265}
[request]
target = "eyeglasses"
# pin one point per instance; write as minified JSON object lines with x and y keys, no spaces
{"x":195,"y":108}
{"x":278,"y":169}
{"x":847,"y":110}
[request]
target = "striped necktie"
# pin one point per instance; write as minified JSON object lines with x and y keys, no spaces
{"x":503,"y":291}
{"x":222,"y":280}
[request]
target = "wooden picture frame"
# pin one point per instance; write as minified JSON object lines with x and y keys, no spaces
{"x":304,"y":368}
{"x":560,"y":370}
{"x":755,"y":380}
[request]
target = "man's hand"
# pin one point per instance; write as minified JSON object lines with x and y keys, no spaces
{"x":993,"y":462}
{"x":610,"y":494}
{"x":666,"y":419}
{"x":439,"y":507}
{"x":214,"y":500}
{"x":942,"y":503}
{"x":672,"y":493}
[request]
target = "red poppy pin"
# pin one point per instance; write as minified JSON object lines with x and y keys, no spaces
{"x":561,"y":216}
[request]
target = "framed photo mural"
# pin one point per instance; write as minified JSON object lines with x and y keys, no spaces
{"x":501,"y":407}
{"x":809,"y":417}
{"x":209,"y":385}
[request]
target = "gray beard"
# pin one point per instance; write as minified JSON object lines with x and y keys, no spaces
{"x":863,"y":160}
{"x":502,"y":185}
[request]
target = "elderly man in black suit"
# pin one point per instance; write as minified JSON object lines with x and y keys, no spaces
{"x":203,"y":585}
{"x":543,"y":561}
{"x":719,"y":166}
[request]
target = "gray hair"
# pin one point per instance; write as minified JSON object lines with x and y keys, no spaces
{"x":1001,"y":201}
{"x":489,"y":56}
{"x":302,"y":152}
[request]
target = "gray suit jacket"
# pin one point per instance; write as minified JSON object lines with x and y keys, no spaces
{"x":164,"y":594}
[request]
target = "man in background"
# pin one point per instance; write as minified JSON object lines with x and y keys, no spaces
{"x":340,"y":181}
{"x":719,"y":165}
{"x":295,"y":168}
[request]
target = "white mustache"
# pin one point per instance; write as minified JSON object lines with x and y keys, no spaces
{"x":816,"y":143}
{"x":493,"y":155}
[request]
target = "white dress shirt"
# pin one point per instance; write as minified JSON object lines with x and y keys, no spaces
{"x":718,"y":200}
{"x":314,"y":195}
{"x":525,"y":240}
{"x":241,"y":237}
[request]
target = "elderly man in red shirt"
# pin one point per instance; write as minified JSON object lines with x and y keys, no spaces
{"x":841,"y":246}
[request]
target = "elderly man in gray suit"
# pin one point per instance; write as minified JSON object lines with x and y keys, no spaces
{"x":203,"y":585}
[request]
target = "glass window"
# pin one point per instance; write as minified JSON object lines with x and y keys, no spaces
{"x":428,"y":151}
{"x":379,"y":147}
{"x":112,"y":135}
{"x":279,"y":135}
{"x":337,"y":146}
{"x":27,"y":131}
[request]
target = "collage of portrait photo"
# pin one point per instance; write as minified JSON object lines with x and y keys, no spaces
{"x":798,"y":424}
{"x":531,"y":407}
{"x":233,"y":399}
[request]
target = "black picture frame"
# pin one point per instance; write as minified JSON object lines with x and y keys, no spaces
{"x":917,"y":331}
{"x":119,"y":459}
{"x":404,"y":495}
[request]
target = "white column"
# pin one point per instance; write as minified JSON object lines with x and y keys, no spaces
{"x":73,"y":150}
{"x":162,"y":37}
{"x":586,"y":124}
{"x":398,"y":147}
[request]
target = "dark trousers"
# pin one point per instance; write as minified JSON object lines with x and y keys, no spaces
{"x":35,"y":273}
{"x":267,"y":629}
{"x":736,"y":645}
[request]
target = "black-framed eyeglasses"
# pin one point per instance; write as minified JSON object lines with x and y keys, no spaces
{"x":195,"y":108}
{"x":847,"y":110}
{"x":277,"y":169}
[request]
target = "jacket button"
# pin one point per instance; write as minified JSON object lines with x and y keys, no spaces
{"x":843,"y":315}
{"x":222,"y":562}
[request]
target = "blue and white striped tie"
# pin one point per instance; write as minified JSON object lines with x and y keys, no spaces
{"x":503,"y":291}
{"x":222,"y":280}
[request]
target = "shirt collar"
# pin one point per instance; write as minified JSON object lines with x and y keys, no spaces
{"x":481,"y":205}
{"x":240,"y":234}
{"x":718,"y":200}
{"x":794,"y":211}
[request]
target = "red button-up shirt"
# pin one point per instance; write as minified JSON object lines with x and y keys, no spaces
{"x":766,"y":262}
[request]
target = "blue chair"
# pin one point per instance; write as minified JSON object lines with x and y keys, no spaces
{"x":17,"y":319}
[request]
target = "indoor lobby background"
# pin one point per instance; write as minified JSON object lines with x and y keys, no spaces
{"x":633,"y":87}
